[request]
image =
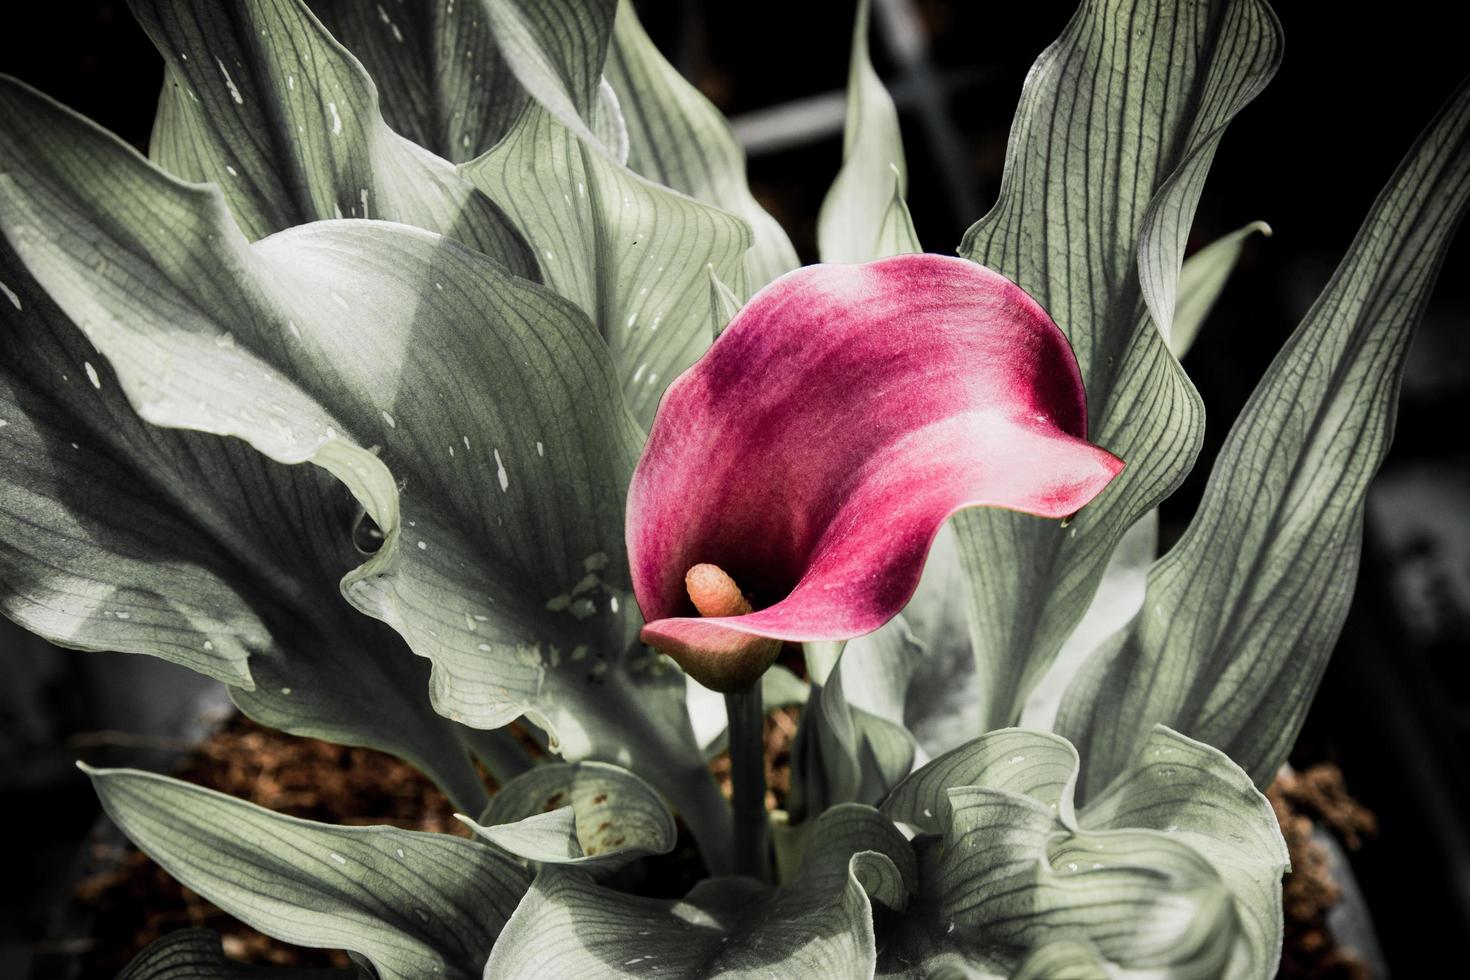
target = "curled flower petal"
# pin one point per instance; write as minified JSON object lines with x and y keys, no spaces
{"x":815,"y":450}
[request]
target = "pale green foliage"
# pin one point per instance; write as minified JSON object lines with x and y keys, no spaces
{"x":557,"y":48}
{"x":246,"y":590}
{"x":636,"y":257}
{"x":819,"y":924}
{"x":412,"y":904}
{"x":263,"y":102}
{"x":863,"y":216}
{"x":1176,"y":867}
{"x":190,"y":954}
{"x":441,"y":79}
{"x":677,"y":139}
{"x":855,"y":749}
{"x":517,"y":595}
{"x":1240,"y":616}
{"x":1094,"y":227}
{"x":1201,"y":280}
{"x":587,"y":814}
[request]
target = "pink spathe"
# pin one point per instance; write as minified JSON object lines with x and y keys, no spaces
{"x":815,"y":450}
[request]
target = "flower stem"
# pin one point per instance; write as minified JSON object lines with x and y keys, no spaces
{"x":746,"y":712}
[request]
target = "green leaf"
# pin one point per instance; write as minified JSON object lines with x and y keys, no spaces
{"x":678,"y":139}
{"x":589,"y":814}
{"x":1064,"y":960}
{"x":259,"y":99}
{"x":723,"y":304}
{"x":413,"y":904}
{"x":634,"y":256}
{"x":556,"y":49}
{"x":117,"y":535}
{"x":502,"y":557}
{"x":1118,"y":122}
{"x":843,"y":754}
{"x":1120,"y":593}
{"x":896,"y":235}
{"x":71,"y":493}
{"x":944,"y":698}
{"x":993,"y":761}
{"x":820,"y":925}
{"x":943,"y":705}
{"x":1241,"y":616}
{"x":441,"y":79}
{"x":192,"y":954}
{"x":1201,"y":281}
{"x":877,"y":669}
{"x":609,"y":126}
{"x":851,"y":744}
{"x":1174,"y":870}
{"x":863,"y":216}
{"x":1118,"y":598}
{"x":1190,"y":791}
{"x":949,"y":695}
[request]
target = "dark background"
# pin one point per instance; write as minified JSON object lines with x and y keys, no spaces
{"x":1308,"y":157}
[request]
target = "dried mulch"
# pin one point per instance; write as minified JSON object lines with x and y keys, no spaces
{"x":1316,"y":796}
{"x":780,"y":735}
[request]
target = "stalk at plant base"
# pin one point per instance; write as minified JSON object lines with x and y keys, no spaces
{"x":746,"y":713}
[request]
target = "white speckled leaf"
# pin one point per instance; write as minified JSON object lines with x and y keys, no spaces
{"x":442,"y":81}
{"x":348,"y":344}
{"x":119,"y":535}
{"x":557,"y":48}
{"x":261,"y":100}
{"x":634,"y":256}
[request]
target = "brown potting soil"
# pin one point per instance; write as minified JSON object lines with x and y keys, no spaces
{"x":780,"y":733}
{"x":136,"y":902}
{"x":1316,"y":796}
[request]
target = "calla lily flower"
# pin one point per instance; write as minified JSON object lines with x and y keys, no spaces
{"x":795,"y":477}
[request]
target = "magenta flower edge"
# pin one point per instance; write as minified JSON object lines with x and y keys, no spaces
{"x":814,"y":452}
